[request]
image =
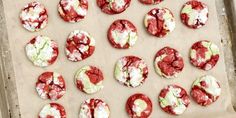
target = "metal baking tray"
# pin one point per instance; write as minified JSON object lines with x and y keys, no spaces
{"x":9,"y":106}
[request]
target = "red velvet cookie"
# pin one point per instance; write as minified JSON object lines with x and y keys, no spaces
{"x":173,"y":99}
{"x":113,"y":6}
{"x":139,"y":106}
{"x":204,"y":54}
{"x":89,"y":79}
{"x":94,"y":108}
{"x":79,"y":45}
{"x":122,"y":34}
{"x":42,"y":51}
{"x":52,"y":110}
{"x":50,"y":85}
{"x":205,"y":90}
{"x":73,"y":10}
{"x":159,"y":22}
{"x":131,"y":71}
{"x":194,"y":14}
{"x":151,"y":2}
{"x":168,"y":62}
{"x":34,"y":16}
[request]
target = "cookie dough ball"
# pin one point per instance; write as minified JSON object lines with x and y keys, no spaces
{"x":122,"y":34}
{"x":159,"y":22}
{"x":205,"y":90}
{"x":73,"y":10}
{"x":113,"y":6}
{"x":50,"y":85}
{"x":194,"y":14}
{"x":174,"y":100}
{"x":168,"y":62}
{"x":42,"y":51}
{"x":89,"y":79}
{"x":151,"y":2}
{"x":94,"y":108}
{"x":52,"y":110}
{"x":131,"y":71}
{"x":34,"y":17}
{"x":139,"y":106}
{"x":79,"y":45}
{"x":204,"y":55}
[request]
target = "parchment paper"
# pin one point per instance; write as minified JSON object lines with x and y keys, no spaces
{"x":115,"y":94}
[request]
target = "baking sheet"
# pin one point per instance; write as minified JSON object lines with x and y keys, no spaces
{"x":105,"y":57}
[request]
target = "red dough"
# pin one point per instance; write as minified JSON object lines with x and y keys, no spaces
{"x":114,"y":6}
{"x":133,"y":106}
{"x":168,"y":62}
{"x":34,"y":16}
{"x":51,"y":111}
{"x":122,"y":34}
{"x":173,"y":99}
{"x":79,"y":46}
{"x":73,"y":10}
{"x":159,"y":22}
{"x":195,"y":16}
{"x":204,"y":54}
{"x":51,"y":86}
{"x":150,"y":2}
